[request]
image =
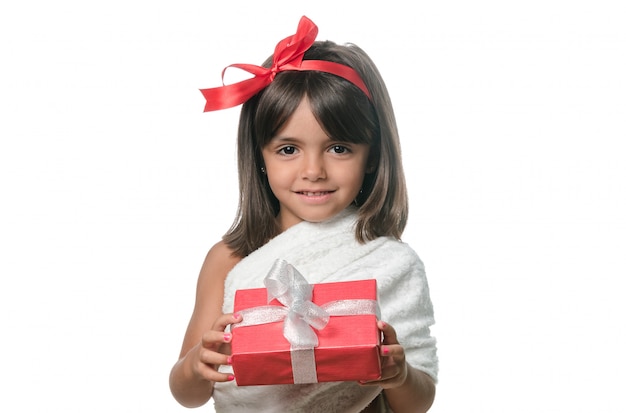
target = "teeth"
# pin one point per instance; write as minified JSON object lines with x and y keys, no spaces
{"x":313,"y":193}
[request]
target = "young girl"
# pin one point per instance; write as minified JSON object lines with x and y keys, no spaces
{"x":322,"y":187}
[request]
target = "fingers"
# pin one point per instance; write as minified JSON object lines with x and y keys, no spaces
{"x":226,"y":319}
{"x":208,"y":358}
{"x":208,"y":366}
{"x":393,"y":364}
{"x":393,"y":368}
{"x":390,"y":347}
{"x":213,"y":344}
{"x":214,"y":339}
{"x":217,"y":334}
{"x":389,"y":333}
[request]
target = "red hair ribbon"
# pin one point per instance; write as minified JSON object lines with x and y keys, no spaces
{"x":288,"y":55}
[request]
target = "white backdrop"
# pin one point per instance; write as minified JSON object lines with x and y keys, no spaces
{"x":114,"y":185}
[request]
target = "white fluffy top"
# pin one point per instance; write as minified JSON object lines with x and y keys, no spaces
{"x":329,"y":252}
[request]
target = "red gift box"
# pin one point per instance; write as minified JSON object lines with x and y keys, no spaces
{"x":348,"y":345}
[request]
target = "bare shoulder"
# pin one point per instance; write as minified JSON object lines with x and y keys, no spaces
{"x":219,"y":260}
{"x":217,"y":264}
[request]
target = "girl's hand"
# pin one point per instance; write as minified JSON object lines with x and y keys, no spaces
{"x":394,"y":369}
{"x":214,"y":350}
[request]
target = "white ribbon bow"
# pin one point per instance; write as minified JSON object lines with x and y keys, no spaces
{"x":290,"y":288}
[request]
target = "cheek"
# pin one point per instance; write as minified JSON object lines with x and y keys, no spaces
{"x":354,"y":179}
{"x":277,"y":178}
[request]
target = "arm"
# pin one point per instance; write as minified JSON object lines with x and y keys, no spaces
{"x":205,"y":344}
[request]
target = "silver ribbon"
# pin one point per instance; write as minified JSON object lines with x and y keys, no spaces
{"x":300,"y":315}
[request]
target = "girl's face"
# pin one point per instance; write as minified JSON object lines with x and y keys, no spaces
{"x":313,"y":176}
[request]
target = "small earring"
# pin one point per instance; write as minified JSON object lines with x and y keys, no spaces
{"x":356,"y":200}
{"x":263,"y":170}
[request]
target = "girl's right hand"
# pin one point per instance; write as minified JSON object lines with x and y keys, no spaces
{"x":214,"y":350}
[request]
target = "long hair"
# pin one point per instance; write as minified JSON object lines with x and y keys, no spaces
{"x":344,"y":112}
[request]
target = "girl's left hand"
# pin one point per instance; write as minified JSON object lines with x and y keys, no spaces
{"x":393,"y":363}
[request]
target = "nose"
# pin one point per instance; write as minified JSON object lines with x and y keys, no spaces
{"x":313,"y":167}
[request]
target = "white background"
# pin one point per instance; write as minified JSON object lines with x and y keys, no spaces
{"x":114,"y":184}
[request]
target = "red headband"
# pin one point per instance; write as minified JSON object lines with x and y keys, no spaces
{"x":288,"y":55}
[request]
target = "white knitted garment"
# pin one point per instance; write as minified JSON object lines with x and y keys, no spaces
{"x":328,"y":252}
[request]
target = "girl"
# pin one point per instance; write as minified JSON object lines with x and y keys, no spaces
{"x":322,"y":187}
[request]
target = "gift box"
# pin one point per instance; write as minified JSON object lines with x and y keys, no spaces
{"x":330,"y":336}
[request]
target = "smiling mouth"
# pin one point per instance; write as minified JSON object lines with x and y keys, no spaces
{"x":319,"y":193}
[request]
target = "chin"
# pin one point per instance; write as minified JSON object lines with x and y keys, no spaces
{"x":320,"y":217}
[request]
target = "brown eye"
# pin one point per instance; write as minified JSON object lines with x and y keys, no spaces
{"x":339,"y":149}
{"x":287,"y":150}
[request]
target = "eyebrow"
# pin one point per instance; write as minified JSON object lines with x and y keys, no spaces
{"x":288,"y":139}
{"x":283,"y":138}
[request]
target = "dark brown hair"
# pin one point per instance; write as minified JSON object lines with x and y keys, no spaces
{"x":345,"y":113}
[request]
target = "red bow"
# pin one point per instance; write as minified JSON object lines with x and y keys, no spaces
{"x":288,"y":55}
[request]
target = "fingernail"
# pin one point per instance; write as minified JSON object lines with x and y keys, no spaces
{"x":229,"y":360}
{"x":231,"y":377}
{"x":227,"y":337}
{"x":385,"y":350}
{"x":237,"y":316}
{"x":383,"y":324}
